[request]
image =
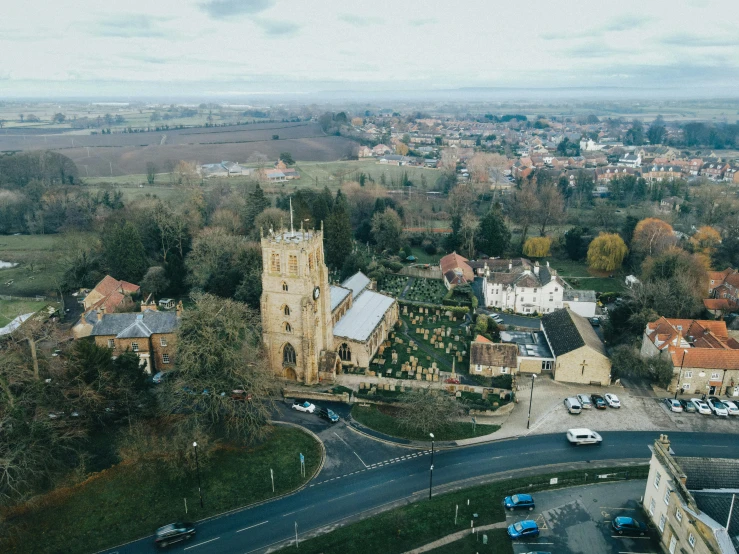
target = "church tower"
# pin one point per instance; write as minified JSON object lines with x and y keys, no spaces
{"x":296,"y":304}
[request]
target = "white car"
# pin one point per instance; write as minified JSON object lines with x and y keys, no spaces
{"x":701,"y":406}
{"x":731,"y":406}
{"x":583,"y":436}
{"x":673,"y":405}
{"x":612,"y":400}
{"x":718,"y":408}
{"x":304,"y":406}
{"x":585,"y":401}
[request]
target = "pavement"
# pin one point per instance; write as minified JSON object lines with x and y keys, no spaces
{"x":330,"y":502}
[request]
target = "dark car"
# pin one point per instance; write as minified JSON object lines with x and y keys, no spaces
{"x":519,"y":502}
{"x":688,"y":406}
{"x":172,"y":533}
{"x":598,"y":401}
{"x":629,"y":526}
{"x":327,"y":414}
{"x":523,"y":529}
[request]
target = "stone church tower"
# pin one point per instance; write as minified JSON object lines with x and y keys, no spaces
{"x":296,"y":304}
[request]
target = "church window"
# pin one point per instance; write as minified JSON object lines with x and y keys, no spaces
{"x":274,"y":263}
{"x":345,"y":353}
{"x":288,"y":354}
{"x":292,"y":265}
{"x":286,"y":310}
{"x":287,"y":327}
{"x":284,"y":286}
{"x":310,"y":261}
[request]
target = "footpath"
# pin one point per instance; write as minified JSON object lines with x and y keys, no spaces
{"x":454,"y":537}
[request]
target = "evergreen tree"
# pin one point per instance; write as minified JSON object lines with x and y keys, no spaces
{"x":257,"y":202}
{"x":123,"y":252}
{"x":494,"y":237}
{"x":338,"y":233}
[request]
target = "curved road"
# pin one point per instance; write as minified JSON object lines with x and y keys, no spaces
{"x":325,"y":503}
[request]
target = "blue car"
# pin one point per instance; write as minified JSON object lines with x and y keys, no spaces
{"x":523,"y":529}
{"x":519,"y":502}
{"x":629,"y":526}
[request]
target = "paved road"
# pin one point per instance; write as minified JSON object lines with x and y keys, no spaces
{"x":329,"y":502}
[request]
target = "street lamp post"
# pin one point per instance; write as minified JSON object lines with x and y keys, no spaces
{"x":531,"y":399}
{"x":197,"y":467}
{"x":680,"y":374}
{"x":431,"y":469}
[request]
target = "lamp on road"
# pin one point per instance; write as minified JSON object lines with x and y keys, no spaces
{"x":197,"y":466}
{"x":431,"y":469}
{"x":680,"y":374}
{"x":531,"y":399}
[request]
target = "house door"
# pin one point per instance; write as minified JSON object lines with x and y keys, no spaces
{"x":673,"y":544}
{"x":736,"y":391}
{"x":712,"y":390}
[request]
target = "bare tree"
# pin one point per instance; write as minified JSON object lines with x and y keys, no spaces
{"x":551,"y":207}
{"x":427,"y":410}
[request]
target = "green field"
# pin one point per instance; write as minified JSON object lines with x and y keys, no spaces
{"x":498,"y":543}
{"x":10,"y":309}
{"x":579,"y":276}
{"x":336,"y":172}
{"x":129,"y":501}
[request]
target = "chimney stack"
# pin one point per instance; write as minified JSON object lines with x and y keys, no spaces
{"x":101,"y":313}
{"x":510,"y":265}
{"x":536,"y":268}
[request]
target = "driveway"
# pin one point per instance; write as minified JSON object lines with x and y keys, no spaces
{"x":578,"y":520}
{"x":513,"y":319}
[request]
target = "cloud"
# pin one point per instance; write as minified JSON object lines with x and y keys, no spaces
{"x":593,"y":49}
{"x":360,"y":20}
{"x":696,"y":41}
{"x":278,"y":28}
{"x":130,"y":26}
{"x":422,"y":22}
{"x":225,"y":9}
{"x":144,"y":58}
{"x":626,"y":23}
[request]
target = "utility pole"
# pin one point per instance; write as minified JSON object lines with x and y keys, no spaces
{"x":531,"y":399}
{"x":431,"y":469}
{"x":197,"y":466}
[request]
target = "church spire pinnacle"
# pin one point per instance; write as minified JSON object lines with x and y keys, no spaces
{"x":291,"y":216}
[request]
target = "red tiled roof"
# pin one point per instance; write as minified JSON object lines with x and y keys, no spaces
{"x":480,"y":338}
{"x":107,"y":285}
{"x":454,"y":261}
{"x":717,"y":304}
{"x":706,"y":358}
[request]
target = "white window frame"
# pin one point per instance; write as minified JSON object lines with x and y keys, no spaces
{"x":657,"y":479}
{"x":652,"y":505}
{"x":688,"y":375}
{"x":111,"y":343}
{"x":691,"y":540}
{"x":678,"y":514}
{"x":503,"y":370}
{"x":135,"y":346}
{"x":715,"y":376}
{"x":165,"y":358}
{"x":162,"y":341}
{"x":662,"y":520}
{"x":667,"y":496}
{"x":478,"y":368}
{"x":686,"y":386}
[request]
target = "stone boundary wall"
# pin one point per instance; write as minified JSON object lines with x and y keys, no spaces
{"x":433,"y":272}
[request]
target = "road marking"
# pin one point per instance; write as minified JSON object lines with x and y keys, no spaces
{"x":350,"y":448}
{"x":202,"y":543}
{"x":630,"y":537}
{"x":712,"y":446}
{"x":251,"y":527}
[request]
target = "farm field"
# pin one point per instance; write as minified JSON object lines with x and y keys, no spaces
{"x":350,"y":171}
{"x":10,"y":309}
{"x":579,"y":276}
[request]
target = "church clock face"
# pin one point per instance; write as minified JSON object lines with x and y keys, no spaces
{"x":316,"y":293}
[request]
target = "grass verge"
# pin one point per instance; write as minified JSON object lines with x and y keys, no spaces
{"x":426,"y":521}
{"x":129,"y":501}
{"x":498,"y":543}
{"x":381,"y":419}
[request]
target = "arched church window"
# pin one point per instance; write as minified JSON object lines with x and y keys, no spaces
{"x":287,"y":327}
{"x":284,"y":286}
{"x":274,"y":263}
{"x":310,"y":261}
{"x":286,"y":310}
{"x":288,"y":354}
{"x":292,"y":265}
{"x":345,"y":353}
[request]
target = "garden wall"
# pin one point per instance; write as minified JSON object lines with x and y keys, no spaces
{"x":432,"y":272}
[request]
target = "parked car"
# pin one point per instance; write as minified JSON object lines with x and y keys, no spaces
{"x":304,"y":406}
{"x":673,"y":405}
{"x":700,"y":406}
{"x":172,"y":533}
{"x":327,"y":414}
{"x":585,"y":401}
{"x":594,"y":321}
{"x":240,"y":395}
{"x":451,"y":381}
{"x":688,"y":406}
{"x":572,"y":405}
{"x":163,"y":376}
{"x":519,"y":502}
{"x":598,"y":401}
{"x":523,"y":529}
{"x":583,"y":436}
{"x":717,"y":407}
{"x":629,"y":526}
{"x":612,"y":400}
{"x":731,"y":406}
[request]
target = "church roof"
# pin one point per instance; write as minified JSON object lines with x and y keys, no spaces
{"x":337,"y":294}
{"x":361,"y":319}
{"x":357,"y":283}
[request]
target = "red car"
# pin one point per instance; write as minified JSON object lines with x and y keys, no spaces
{"x":452,"y":381}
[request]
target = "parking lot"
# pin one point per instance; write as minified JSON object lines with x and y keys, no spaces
{"x":578,"y":520}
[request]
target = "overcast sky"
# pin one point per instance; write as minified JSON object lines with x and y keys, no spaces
{"x":232,"y":47}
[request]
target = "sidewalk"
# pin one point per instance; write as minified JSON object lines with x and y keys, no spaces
{"x":454,"y":537}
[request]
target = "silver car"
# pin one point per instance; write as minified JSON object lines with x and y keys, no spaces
{"x":585,"y":401}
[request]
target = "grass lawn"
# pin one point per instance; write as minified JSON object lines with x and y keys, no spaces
{"x":426,"y":521}
{"x":380,"y":419}
{"x":423,"y":258}
{"x":498,"y":543}
{"x":580,"y":277}
{"x":126,"y":501}
{"x":10,"y":309}
{"x":335,"y":172}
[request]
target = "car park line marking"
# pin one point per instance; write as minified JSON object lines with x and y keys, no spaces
{"x":201,"y":543}
{"x":251,"y":527}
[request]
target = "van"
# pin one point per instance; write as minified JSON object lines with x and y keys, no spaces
{"x":573,"y":405}
{"x":583,"y":436}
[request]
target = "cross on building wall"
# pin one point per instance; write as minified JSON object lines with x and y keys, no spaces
{"x":584,"y":363}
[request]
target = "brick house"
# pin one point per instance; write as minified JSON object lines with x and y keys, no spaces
{"x":579,"y":354}
{"x":111,"y":294}
{"x":492,"y":359}
{"x":455,"y":270}
{"x":150,"y":333}
{"x":724,"y":284}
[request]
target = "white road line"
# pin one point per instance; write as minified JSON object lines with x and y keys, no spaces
{"x":630,"y":537}
{"x":713,"y":446}
{"x":201,"y":543}
{"x":350,"y":448}
{"x":251,"y":527}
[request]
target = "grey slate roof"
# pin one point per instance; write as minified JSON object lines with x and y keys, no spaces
{"x":567,"y":331}
{"x":530,"y":344}
{"x":573,"y":295}
{"x":134,"y":325}
{"x":365,"y":314}
{"x":710,"y":473}
{"x":337,"y":295}
{"x":357,"y":283}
